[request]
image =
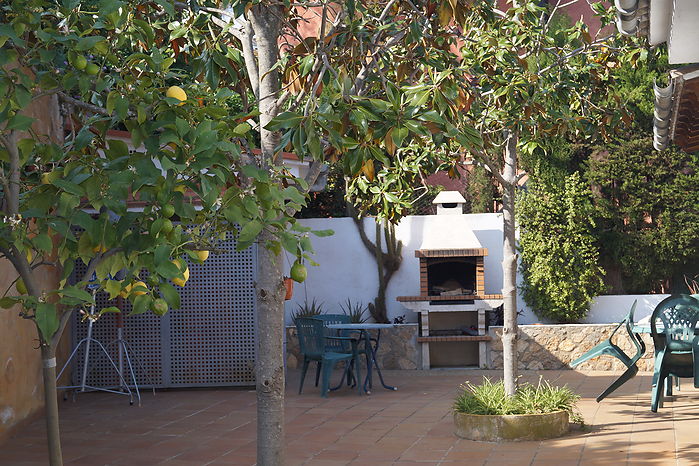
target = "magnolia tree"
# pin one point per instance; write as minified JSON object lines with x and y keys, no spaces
{"x":371,"y":86}
{"x":535,"y":79}
{"x":200,"y":86}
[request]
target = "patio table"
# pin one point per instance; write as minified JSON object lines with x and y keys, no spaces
{"x":373,"y":349}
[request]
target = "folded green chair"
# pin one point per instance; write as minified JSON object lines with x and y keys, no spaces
{"x":313,"y":342}
{"x":608,"y":347}
{"x":676,"y":343}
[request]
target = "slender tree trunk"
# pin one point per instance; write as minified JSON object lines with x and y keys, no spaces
{"x":266,"y":25}
{"x":509,"y":267}
{"x":48,"y":359}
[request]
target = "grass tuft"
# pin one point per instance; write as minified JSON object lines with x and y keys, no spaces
{"x":489,"y":398}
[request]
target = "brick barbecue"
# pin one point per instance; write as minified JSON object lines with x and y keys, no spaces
{"x":452,"y":302}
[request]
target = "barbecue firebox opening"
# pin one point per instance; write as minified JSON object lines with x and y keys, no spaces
{"x":451,"y":277}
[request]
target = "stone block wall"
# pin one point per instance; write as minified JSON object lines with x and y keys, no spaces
{"x":398,"y":348}
{"x":554,"y":346}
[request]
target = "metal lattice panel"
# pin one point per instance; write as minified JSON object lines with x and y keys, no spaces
{"x":209,"y":341}
{"x":213,"y":335}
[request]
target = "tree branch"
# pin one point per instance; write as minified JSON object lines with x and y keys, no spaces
{"x":84,"y":105}
{"x":491,"y":166}
{"x":13,"y":181}
{"x":359,"y":223}
{"x":250,"y":59}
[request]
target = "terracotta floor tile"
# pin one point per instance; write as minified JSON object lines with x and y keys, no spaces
{"x":411,"y":426}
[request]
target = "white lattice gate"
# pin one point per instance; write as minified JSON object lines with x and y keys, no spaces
{"x":210,"y":341}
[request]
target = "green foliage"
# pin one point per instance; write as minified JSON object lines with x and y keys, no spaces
{"x":481,"y":190}
{"x":355,"y":311}
{"x":558,"y":250}
{"x":490,"y":398}
{"x":634,"y":84}
{"x":63,"y":201}
{"x":307,"y":310}
{"x":646,"y":208}
{"x":329,"y":203}
{"x":530,"y":77}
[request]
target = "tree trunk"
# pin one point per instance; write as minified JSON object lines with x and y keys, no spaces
{"x":509,"y":267}
{"x":269,"y":375}
{"x":48,"y":359}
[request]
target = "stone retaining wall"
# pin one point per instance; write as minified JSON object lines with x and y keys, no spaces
{"x":398,"y":350}
{"x":554,"y":346}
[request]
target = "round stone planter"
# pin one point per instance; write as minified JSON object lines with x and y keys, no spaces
{"x":494,"y":428}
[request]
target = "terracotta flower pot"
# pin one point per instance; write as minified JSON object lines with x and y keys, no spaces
{"x":289,"y":285}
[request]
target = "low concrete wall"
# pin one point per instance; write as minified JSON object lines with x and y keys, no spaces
{"x":398,"y":348}
{"x":555,"y":346}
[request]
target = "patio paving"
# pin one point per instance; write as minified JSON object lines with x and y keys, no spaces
{"x":410,"y":426}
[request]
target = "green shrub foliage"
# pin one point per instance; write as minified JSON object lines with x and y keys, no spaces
{"x":647,"y":205}
{"x":489,"y":398}
{"x":558,"y":251}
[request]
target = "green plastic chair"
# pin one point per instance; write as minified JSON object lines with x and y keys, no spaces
{"x":676,"y":345}
{"x":607,"y":347}
{"x":338,"y":346}
{"x":313,"y":343}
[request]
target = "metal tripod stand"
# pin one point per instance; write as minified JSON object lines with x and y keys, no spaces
{"x":123,"y":349}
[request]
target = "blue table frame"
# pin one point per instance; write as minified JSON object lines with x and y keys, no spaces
{"x":373,"y":349}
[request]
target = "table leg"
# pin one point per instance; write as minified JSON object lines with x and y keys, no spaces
{"x":371,"y":361}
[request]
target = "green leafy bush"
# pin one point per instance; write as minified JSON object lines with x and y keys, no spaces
{"x":647,"y":216}
{"x":558,"y":250}
{"x":490,"y":398}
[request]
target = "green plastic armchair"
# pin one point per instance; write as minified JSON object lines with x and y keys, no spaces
{"x":313,"y":343}
{"x":676,"y":345}
{"x":607,"y":347}
{"x":335,"y":345}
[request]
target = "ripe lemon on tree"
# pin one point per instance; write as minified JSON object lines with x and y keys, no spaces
{"x":127,"y":290}
{"x":185,"y":272}
{"x":298,"y":272}
{"x":176,"y":92}
{"x":203,"y":255}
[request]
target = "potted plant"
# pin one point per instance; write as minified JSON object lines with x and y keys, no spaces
{"x":307,"y":309}
{"x":486,"y":413}
{"x":355,"y":311}
{"x":289,"y":288}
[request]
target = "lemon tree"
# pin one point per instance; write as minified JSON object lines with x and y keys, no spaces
{"x":94,"y":68}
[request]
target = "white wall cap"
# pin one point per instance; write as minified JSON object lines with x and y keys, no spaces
{"x":449,"y":197}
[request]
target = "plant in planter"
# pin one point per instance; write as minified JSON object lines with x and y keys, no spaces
{"x":486,"y":412}
{"x":307,"y":309}
{"x":355,"y":311}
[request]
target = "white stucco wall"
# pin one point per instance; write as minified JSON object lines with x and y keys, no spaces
{"x":613,"y":308}
{"x":347,"y":270}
